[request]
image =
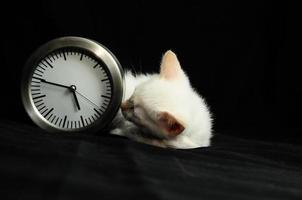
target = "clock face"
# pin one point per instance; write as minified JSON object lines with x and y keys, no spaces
{"x":70,"y":88}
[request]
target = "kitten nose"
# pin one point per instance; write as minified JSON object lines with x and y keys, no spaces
{"x":127,"y":105}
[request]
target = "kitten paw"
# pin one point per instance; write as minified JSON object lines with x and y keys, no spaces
{"x":117,"y":131}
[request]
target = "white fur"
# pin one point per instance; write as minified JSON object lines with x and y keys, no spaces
{"x":152,"y":94}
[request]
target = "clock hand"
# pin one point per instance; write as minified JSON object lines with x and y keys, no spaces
{"x":87,"y":99}
{"x":76,"y":99}
{"x":73,"y":90}
{"x":52,"y":83}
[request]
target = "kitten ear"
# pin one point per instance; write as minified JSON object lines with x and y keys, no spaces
{"x":171,"y":126}
{"x":170,"y":68}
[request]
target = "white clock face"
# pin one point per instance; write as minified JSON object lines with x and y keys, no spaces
{"x":70,"y":89}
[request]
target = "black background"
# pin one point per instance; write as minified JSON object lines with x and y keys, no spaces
{"x":240,"y":55}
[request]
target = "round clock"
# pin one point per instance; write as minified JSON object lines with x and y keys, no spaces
{"x":72,"y":84}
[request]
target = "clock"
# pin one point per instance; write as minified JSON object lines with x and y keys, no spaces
{"x":72,"y":84}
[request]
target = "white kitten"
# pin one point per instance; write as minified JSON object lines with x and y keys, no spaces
{"x":163,"y":109}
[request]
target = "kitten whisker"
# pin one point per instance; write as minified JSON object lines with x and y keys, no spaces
{"x":133,"y":69}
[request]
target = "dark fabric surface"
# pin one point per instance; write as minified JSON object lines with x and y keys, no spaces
{"x":39,"y":165}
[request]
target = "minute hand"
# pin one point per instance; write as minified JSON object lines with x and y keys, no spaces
{"x":87,"y":99}
{"x":64,"y":86}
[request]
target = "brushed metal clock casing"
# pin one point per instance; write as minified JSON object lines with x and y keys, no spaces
{"x":101,"y":53}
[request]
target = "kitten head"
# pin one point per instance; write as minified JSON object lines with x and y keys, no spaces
{"x":161,"y":104}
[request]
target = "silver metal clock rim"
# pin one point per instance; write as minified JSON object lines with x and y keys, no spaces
{"x":100,"y":52}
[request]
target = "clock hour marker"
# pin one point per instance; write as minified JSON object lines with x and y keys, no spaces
{"x":34,"y":94}
{"x":40,"y":71}
{"x":47,"y":58}
{"x":106,"y":101}
{"x":82,"y":120}
{"x":41,"y":100}
{"x":48,"y":112}
{"x":56,"y":121}
{"x":102,"y":109}
{"x":38,"y":101}
{"x":86,"y":121}
{"x":95,"y":65}
{"x":105,"y":96}
{"x":48,"y":63}
{"x":44,"y":111}
{"x":50,"y":58}
{"x":41,"y":67}
{"x":37,"y":74}
{"x":56,"y":55}
{"x":39,"y":109}
{"x":40,"y":105}
{"x":64,"y":120}
{"x":67,"y":124}
{"x":36,"y":78}
{"x":60,"y":122}
{"x":64,"y":55}
{"x":97,"y":112}
{"x":39,"y":96}
{"x":81,"y":56}
{"x":106,"y":79}
{"x":44,"y":64}
{"x":49,"y":116}
{"x":53,"y":119}
{"x":89,"y":120}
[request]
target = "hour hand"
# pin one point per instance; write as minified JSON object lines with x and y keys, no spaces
{"x":76,"y":99}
